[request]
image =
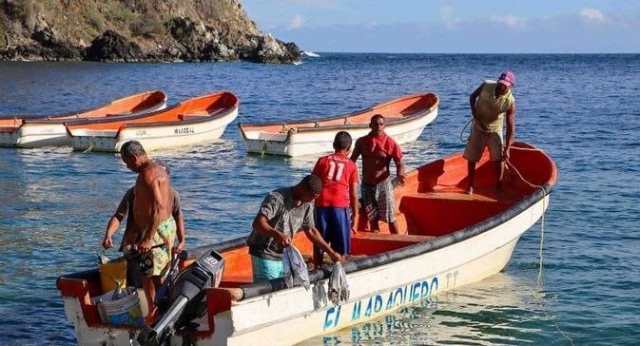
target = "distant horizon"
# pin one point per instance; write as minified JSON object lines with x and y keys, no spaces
{"x":453,"y":27}
{"x":474,"y":53}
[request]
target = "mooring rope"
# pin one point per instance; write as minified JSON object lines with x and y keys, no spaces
{"x":89,"y":149}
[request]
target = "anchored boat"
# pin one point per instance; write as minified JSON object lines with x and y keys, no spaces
{"x":405,"y":118}
{"x":449,"y":239}
{"x":196,"y":120}
{"x":29,"y":131}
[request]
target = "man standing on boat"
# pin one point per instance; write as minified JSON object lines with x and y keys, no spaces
{"x":283,"y":213}
{"x":132,"y":236}
{"x":491,"y":104}
{"x":377,"y":150}
{"x":152,"y":215}
{"x":340,"y":182}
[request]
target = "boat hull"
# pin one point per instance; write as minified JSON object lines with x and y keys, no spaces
{"x":321,"y":141}
{"x":53,"y":132}
{"x":374,"y":292}
{"x":153,"y":137}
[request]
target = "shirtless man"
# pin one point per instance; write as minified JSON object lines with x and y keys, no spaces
{"x":152,"y":215}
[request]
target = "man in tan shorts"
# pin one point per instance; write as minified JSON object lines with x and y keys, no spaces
{"x":491,"y":104}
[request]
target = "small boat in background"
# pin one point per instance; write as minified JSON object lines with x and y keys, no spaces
{"x":196,"y":120}
{"x":29,"y":131}
{"x":448,"y":239}
{"x":405,"y":118}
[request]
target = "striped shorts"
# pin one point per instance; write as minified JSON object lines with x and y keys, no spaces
{"x":378,"y":201}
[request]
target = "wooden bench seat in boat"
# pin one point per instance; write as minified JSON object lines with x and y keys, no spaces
{"x":442,"y":212}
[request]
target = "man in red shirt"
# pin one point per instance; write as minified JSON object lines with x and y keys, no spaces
{"x":377,"y":150}
{"x":340,"y":182}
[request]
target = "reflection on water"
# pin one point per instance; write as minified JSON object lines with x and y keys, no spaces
{"x":500,"y":310}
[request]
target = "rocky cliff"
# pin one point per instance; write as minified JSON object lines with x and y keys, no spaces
{"x":134,"y":31}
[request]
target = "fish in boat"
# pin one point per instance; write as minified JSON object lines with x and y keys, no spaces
{"x":197,"y":120}
{"x":405,"y":118}
{"x":30,"y":131}
{"x":447,"y":239}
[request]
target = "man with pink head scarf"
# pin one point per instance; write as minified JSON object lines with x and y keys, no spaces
{"x":492,"y":103}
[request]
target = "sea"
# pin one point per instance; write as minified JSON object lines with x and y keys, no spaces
{"x":583,"y":110}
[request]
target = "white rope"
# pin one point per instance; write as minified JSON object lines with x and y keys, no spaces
{"x":89,"y":149}
{"x":541,"y":265}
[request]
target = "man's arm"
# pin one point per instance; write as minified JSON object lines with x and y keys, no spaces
{"x":353,"y":199}
{"x":181,"y":234}
{"x":356,"y":152}
{"x":472,"y":99}
{"x":472,"y":103}
{"x":511,"y":130}
{"x":261,"y":225}
{"x":116,"y":219}
{"x":179,"y":217}
{"x":315,"y":237}
{"x":112,"y":228}
{"x":400,"y":169}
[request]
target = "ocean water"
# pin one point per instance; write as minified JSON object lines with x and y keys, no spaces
{"x":584,"y":110}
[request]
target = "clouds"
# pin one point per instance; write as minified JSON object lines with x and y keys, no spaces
{"x":296,"y":22}
{"x":448,"y":17}
{"x":451,"y":27}
{"x":592,"y":15}
{"x":510,"y":21}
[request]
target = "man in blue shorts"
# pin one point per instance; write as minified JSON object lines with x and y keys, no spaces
{"x":336,"y":207}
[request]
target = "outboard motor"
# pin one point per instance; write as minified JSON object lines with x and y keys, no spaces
{"x":186,"y":296}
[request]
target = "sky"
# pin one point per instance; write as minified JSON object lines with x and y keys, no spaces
{"x":447,"y":26}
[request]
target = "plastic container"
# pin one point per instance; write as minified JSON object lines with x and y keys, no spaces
{"x":123,"y":310}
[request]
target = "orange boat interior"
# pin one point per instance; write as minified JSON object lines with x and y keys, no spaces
{"x":431,"y":203}
{"x":192,"y":109}
{"x":394,"y":110}
{"x":127,"y":105}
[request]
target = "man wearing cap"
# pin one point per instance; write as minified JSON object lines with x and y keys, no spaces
{"x":491,"y":104}
{"x":283,"y":213}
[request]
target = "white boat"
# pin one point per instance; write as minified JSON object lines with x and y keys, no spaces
{"x":449,"y":239}
{"x":405,"y":118}
{"x":30,"y":131}
{"x":198,"y":120}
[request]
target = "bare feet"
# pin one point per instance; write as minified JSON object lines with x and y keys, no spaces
{"x":470,"y":190}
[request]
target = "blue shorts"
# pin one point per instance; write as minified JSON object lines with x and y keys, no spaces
{"x":335,"y":226}
{"x":266,"y":269}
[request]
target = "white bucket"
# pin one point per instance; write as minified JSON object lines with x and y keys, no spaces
{"x":122,"y":311}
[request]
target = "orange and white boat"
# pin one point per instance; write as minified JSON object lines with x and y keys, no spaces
{"x":449,"y":239}
{"x":196,"y":120}
{"x":405,"y":118}
{"x":29,"y":131}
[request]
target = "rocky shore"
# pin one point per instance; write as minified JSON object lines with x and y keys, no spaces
{"x":135,"y":31}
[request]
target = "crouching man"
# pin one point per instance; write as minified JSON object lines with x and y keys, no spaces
{"x":283,"y":213}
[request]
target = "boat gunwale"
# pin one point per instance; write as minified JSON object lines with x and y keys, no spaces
{"x":411,"y":117}
{"x":53,"y":119}
{"x":204,"y":118}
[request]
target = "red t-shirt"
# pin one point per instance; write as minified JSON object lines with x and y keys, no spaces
{"x":377,"y":152}
{"x":337,"y":173}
